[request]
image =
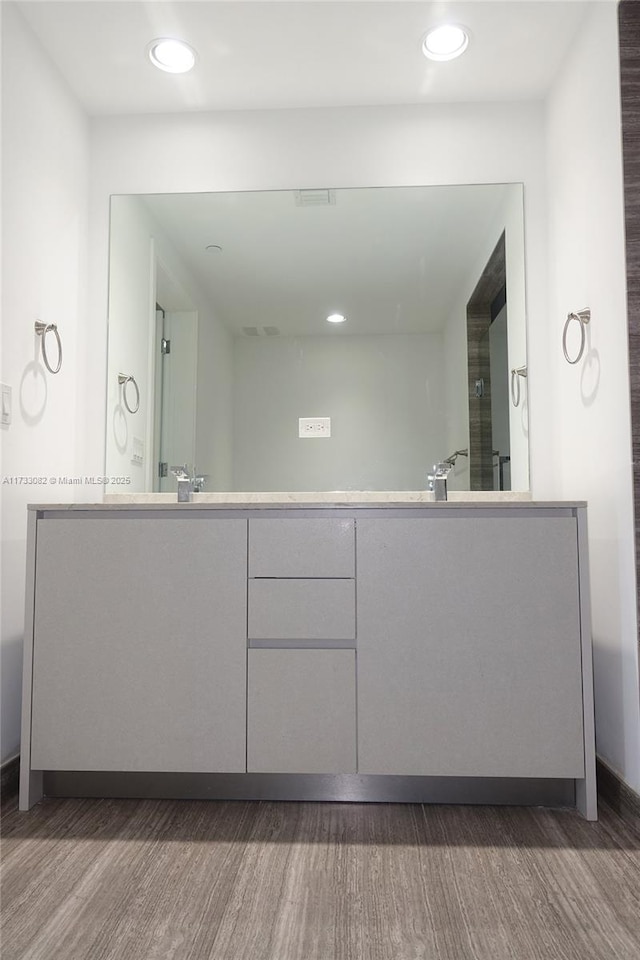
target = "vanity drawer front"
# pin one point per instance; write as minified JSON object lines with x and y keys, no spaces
{"x":302,"y":610}
{"x":302,"y":548}
{"x":301,"y":711}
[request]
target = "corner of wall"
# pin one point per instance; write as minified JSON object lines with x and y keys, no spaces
{"x":45,"y":223}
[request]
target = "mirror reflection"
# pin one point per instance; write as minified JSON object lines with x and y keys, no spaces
{"x":223,"y":309}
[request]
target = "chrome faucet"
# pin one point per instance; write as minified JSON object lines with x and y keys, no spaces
{"x":188,"y":483}
{"x":438,"y":480}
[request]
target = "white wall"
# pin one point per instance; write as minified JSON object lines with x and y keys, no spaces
{"x":384,"y":396}
{"x":214,"y":413}
{"x":590,"y":424}
{"x":44,"y":242}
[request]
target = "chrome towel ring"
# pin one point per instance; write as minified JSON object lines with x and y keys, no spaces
{"x":583,"y":317}
{"x":516,"y":373}
{"x":123,"y":380}
{"x":42,"y":329}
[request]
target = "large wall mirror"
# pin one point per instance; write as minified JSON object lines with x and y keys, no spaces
{"x":224,"y":354}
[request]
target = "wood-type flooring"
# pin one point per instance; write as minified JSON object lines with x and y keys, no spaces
{"x":208,"y":880}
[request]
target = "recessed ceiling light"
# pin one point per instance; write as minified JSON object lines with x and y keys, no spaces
{"x":336,"y":318}
{"x":445,"y":42}
{"x":213,"y":248}
{"x":174,"y":56}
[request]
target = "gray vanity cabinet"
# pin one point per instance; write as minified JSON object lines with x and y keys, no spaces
{"x":139,"y":651}
{"x":417,"y":652}
{"x":469,"y":648}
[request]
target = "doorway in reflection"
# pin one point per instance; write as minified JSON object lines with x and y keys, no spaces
{"x":488,"y":375}
{"x":173,"y":397}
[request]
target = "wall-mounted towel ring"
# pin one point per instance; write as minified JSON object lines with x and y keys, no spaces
{"x":123,"y":380}
{"x":42,"y":329}
{"x":516,"y":373}
{"x":582,"y":317}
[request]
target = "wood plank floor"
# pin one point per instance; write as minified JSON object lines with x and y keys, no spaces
{"x":206,"y":880}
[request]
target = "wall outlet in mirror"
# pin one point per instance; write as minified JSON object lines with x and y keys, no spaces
{"x":314,"y":427}
{"x":137,"y":452}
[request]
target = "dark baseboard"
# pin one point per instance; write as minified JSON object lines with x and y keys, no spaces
{"x":9,"y":778}
{"x":611,"y":789}
{"x":344,"y":788}
{"x":615,"y":792}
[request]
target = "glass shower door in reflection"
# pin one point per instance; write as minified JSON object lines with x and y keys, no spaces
{"x":175,"y":351}
{"x":499,"y":367}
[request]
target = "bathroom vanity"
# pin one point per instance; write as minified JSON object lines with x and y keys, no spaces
{"x":362,"y":651}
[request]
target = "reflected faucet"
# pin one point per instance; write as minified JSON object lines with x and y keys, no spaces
{"x":438,"y":480}
{"x":188,"y":483}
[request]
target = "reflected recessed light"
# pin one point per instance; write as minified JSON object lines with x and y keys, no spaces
{"x":445,"y":42}
{"x":174,"y":56}
{"x":336,"y":318}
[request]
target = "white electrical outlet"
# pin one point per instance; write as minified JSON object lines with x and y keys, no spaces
{"x":314,"y":428}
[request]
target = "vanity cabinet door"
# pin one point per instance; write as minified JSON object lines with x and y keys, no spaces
{"x":140,"y":645}
{"x":469,"y":657}
{"x":302,"y":711}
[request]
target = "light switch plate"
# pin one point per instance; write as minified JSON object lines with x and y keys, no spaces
{"x":5,"y":390}
{"x":314,"y":428}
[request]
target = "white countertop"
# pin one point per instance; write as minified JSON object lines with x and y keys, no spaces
{"x":337,"y":499}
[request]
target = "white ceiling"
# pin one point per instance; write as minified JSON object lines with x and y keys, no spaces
{"x":392,"y":259}
{"x":260,"y":54}
{"x":301,"y":53}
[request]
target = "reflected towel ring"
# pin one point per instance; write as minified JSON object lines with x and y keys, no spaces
{"x":42,"y":329}
{"x":123,"y":380}
{"x":583,"y":317}
{"x":516,"y":373}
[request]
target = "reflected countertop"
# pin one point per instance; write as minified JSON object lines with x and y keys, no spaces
{"x":324,"y":496}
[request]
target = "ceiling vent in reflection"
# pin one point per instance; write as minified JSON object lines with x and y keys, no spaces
{"x":314,"y":198}
{"x":266,"y":331}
